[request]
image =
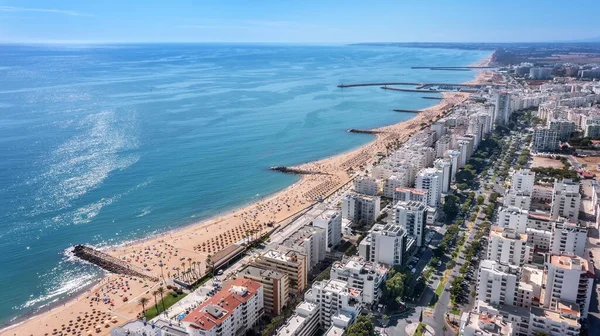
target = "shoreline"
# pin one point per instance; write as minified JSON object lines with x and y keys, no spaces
{"x":249,"y":216}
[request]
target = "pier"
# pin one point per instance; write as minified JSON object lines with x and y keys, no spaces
{"x":415,"y":90}
{"x":295,"y":171}
{"x":377,"y":84}
{"x":436,"y":98}
{"x":453,"y":67}
{"x":355,"y":130}
{"x":108,"y":262}
{"x":408,"y":111}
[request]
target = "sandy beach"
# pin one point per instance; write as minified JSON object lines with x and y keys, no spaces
{"x":183,"y":252}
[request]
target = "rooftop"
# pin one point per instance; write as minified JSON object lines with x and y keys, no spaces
{"x":219,"y":307}
{"x":299,"y":237}
{"x":506,"y":233}
{"x":258,"y":271}
{"x":570,"y":261}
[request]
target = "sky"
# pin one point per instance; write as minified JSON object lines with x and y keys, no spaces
{"x":305,"y":21}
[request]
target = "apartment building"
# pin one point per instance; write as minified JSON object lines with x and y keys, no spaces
{"x":523,"y":180}
{"x":366,"y":185}
{"x":517,"y":199}
{"x":568,"y":237}
{"x":545,"y":140}
{"x":497,"y":283}
{"x":309,"y":241}
{"x":566,"y":199}
{"x":478,"y":324}
{"x":411,"y":216}
{"x":512,"y":218}
{"x":508,"y":246}
{"x":232,"y":311}
{"x":362,"y":274}
{"x":562,"y":321}
{"x":569,"y":278}
{"x":339,"y":304}
{"x":409,"y":194}
{"x":331,"y":222}
{"x":304,"y":321}
{"x":275,"y":286}
{"x":292,"y":263}
{"x":357,"y":207}
{"x":384,"y":244}
{"x":431,"y":180}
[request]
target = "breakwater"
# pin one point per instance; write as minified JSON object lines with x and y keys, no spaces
{"x":377,"y":84}
{"x":355,"y":130}
{"x":295,"y":171}
{"x":452,"y":67}
{"x":408,"y":111}
{"x":108,"y":262}
{"x":436,"y":98}
{"x":415,"y":90}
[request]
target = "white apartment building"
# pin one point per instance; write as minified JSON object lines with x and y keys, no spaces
{"x":478,"y":324}
{"x":545,"y":140}
{"x":338,"y":303}
{"x":411,"y":216}
{"x":540,"y":239}
{"x":431,"y":180}
{"x":394,"y":182}
{"x":442,"y":145}
{"x":331,"y":222}
{"x":508,"y":246}
{"x":409,"y":194}
{"x":384,"y":244}
{"x":304,"y":321}
{"x":540,"y":73}
{"x":497,"y":283}
{"x":232,"y":311}
{"x":569,"y":278}
{"x":512,"y":218}
{"x":445,"y":167}
{"x":357,"y":207}
{"x":562,"y":321}
{"x":366,"y":185}
{"x":362,"y":274}
{"x":517,"y":199}
{"x":523,"y":181}
{"x":455,"y":158}
{"x":563,"y":127}
{"x":566,"y":199}
{"x":309,"y":241}
{"x":568,"y":237}
{"x":502,"y":110}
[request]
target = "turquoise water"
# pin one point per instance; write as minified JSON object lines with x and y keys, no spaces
{"x":101,"y":144}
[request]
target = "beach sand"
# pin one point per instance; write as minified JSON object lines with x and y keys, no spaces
{"x":183,"y":252}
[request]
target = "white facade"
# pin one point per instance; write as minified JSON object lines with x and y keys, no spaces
{"x":384,"y":244}
{"x":359,"y":273}
{"x":394,"y":182}
{"x":523,"y":180}
{"x":497,"y":283}
{"x":563,"y":321}
{"x":517,"y":199}
{"x":508,"y":247}
{"x":431,"y":180}
{"x":411,"y":216}
{"x":513,"y":218}
{"x":366,"y":185}
{"x":566,"y":200}
{"x":338,"y":303}
{"x":310,"y":241}
{"x":357,"y":207}
{"x":445,"y":167}
{"x":570,"y":279}
{"x":568,"y":237}
{"x":331,"y":222}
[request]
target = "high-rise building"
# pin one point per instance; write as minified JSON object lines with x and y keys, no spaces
{"x":564,"y":128}
{"x":357,"y":207}
{"x":509,"y":246}
{"x":540,"y":73}
{"x":411,"y":216}
{"x":502,"y":111}
{"x":409,"y":194}
{"x":568,"y":237}
{"x":366,"y":185}
{"x":232,"y":311}
{"x":512,"y":218}
{"x":331,"y":222}
{"x":339,"y":304}
{"x":497,"y":283}
{"x":292,"y":263}
{"x":310,"y":241}
{"x":545,"y":140}
{"x":360,"y":273}
{"x":384,"y":244}
{"x":569,"y":278}
{"x":566,"y":199}
{"x":445,"y":167}
{"x":431,"y":180}
{"x":523,"y":180}
{"x":564,"y":320}
{"x":275,"y":286}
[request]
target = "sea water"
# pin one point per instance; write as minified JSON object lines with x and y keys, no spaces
{"x":102,"y":144}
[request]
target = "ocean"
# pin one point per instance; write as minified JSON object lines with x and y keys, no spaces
{"x":101,"y":144}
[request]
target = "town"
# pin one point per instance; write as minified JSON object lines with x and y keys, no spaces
{"x":485,"y":222}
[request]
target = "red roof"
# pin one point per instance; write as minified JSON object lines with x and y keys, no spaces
{"x":226,"y":300}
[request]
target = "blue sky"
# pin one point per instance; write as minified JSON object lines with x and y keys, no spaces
{"x":323,"y":21}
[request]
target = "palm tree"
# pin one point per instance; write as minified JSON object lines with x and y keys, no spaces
{"x":190,"y":263}
{"x":444,"y":328}
{"x":161,"y":291}
{"x":143,"y":300}
{"x":208,"y":262}
{"x":155,"y":293}
{"x":162,"y":274}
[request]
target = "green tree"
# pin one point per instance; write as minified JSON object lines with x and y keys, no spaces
{"x":155,"y":293}
{"x":421,"y":317}
{"x":143,"y":301}
{"x":362,"y":327}
{"x":394,"y":288}
{"x":161,"y":291}
{"x":451,"y":207}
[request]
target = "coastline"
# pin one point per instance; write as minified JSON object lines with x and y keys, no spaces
{"x":197,"y":240}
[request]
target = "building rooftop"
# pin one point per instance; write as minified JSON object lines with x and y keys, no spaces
{"x":298,"y":238}
{"x":219,"y":307}
{"x":566,"y":313}
{"x":283,"y":256}
{"x":570,"y":261}
{"x":506,"y":233}
{"x":258,"y":271}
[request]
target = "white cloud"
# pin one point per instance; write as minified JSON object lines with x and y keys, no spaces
{"x":41,"y":10}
